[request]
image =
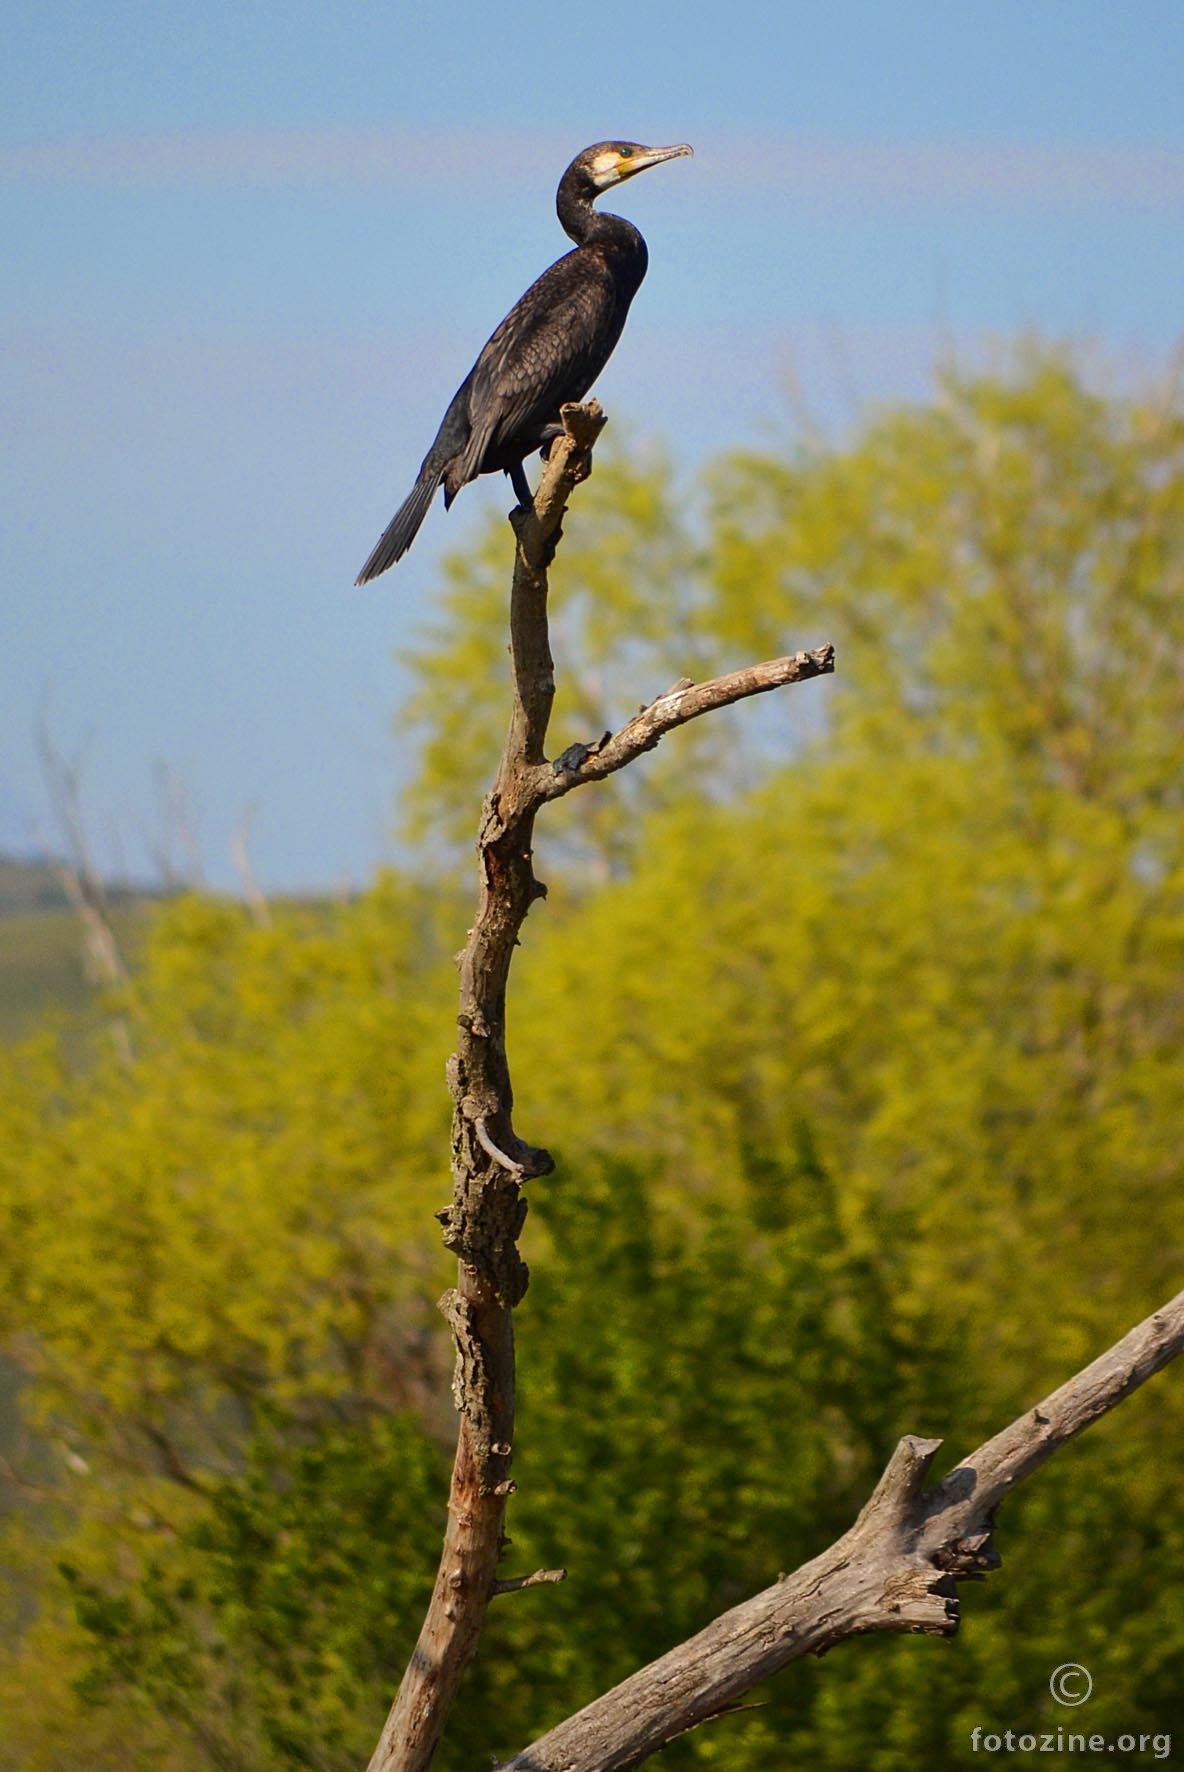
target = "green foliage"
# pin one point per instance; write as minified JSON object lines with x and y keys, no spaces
{"x":43,"y":965}
{"x":271,"y":1629}
{"x":221,"y":1212}
{"x":1001,"y":572}
{"x":1074,"y":1586}
{"x":860,"y":1038}
{"x":650,"y":1352}
{"x":268,"y":1629}
{"x":983,"y":1032}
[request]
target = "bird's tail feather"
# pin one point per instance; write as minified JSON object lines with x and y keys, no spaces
{"x":403,"y":527}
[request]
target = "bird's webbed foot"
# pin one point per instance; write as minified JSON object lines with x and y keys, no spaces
{"x":550,"y":436}
{"x":547,"y":555}
{"x":521,"y":487}
{"x":540,"y":561}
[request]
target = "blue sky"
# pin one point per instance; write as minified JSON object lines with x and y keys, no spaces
{"x":249,"y":253}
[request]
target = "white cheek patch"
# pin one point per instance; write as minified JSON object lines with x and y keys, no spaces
{"x":604,"y":163}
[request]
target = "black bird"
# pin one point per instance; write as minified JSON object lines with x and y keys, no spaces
{"x":548,"y":350}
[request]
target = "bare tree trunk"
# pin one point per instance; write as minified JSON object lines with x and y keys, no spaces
{"x":489,"y":1161}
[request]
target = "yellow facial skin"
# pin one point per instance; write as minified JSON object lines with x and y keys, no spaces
{"x":624,"y":159}
{"x":606,"y":168}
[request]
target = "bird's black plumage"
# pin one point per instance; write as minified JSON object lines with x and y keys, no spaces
{"x":547,"y":351}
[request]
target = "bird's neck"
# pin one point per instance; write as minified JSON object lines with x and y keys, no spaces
{"x":588,"y":226}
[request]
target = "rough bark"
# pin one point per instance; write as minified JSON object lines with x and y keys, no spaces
{"x":897,"y":1569}
{"x":490,"y":1162}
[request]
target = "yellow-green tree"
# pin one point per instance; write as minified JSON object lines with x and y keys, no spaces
{"x":859,"y":1041}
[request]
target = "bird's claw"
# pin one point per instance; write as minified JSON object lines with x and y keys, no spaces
{"x":572,"y":760}
{"x":547,"y":551}
{"x":542,"y":556}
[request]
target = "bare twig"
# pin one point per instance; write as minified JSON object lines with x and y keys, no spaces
{"x":177,"y":832}
{"x":83,"y":883}
{"x":515,"y":1583}
{"x":78,"y":874}
{"x":491,"y":1150}
{"x":240,"y":851}
{"x":13,"y":1478}
{"x":897,"y":1569}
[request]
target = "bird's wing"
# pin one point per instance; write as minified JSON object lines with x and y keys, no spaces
{"x":549,"y":349}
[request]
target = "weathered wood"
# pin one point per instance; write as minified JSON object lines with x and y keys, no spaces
{"x":897,"y":1569}
{"x":684,"y":701}
{"x":490,"y":1161}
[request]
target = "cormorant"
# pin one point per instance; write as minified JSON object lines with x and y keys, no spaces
{"x":547,"y":351}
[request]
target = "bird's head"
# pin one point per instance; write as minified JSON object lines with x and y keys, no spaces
{"x":605,"y":164}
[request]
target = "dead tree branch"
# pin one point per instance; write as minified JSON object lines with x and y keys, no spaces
{"x":517,"y":1582}
{"x":684,"y":701}
{"x":897,"y":1569}
{"x":489,"y":1161}
{"x":79,"y":876}
{"x":82,"y":882}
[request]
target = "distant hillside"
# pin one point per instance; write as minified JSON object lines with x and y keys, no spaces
{"x":29,"y":885}
{"x":33,"y":883}
{"x":42,"y":965}
{"x":41,"y":949}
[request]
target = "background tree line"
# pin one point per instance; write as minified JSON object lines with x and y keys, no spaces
{"x":856,"y":1029}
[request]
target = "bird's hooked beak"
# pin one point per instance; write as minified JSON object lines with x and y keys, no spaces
{"x":631,"y":158}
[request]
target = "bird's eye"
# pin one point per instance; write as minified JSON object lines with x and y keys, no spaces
{"x":625,"y":153}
